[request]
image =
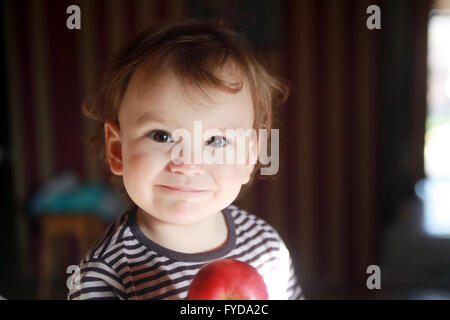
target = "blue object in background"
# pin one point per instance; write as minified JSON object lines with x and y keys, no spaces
{"x":66,"y":194}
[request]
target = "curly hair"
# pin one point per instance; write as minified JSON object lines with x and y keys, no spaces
{"x":194,"y":51}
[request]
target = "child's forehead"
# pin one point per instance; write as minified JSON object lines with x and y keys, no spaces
{"x":166,"y":93}
{"x":147,"y":82}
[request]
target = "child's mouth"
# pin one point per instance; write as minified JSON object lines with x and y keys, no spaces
{"x":182,"y":189}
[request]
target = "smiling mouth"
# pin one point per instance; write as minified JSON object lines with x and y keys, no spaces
{"x":182,"y":189}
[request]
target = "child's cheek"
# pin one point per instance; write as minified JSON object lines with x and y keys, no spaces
{"x":144,"y":165}
{"x":229,"y":175}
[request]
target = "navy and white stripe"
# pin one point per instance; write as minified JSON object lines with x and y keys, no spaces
{"x":125,"y":264}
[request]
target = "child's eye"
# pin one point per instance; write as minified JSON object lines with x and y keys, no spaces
{"x":160,"y":136}
{"x":216,"y":142}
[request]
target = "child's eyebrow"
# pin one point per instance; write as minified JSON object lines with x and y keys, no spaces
{"x":146,"y":117}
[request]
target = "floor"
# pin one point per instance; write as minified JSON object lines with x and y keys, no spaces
{"x":416,"y":261}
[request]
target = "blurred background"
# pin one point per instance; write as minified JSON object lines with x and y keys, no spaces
{"x":364,"y":139}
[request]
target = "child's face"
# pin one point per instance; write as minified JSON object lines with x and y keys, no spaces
{"x":141,"y":151}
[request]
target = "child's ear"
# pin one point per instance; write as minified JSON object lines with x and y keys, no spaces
{"x":253,"y":157}
{"x":113,"y":147}
{"x":248,"y":173}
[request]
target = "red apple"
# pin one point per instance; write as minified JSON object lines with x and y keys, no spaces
{"x":227,"y":279}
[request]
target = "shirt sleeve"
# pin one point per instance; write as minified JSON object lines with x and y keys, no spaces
{"x":279,"y":275}
{"x":295,"y":292}
{"x":95,"y":280}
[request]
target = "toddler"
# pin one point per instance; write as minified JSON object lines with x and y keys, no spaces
{"x":182,"y":83}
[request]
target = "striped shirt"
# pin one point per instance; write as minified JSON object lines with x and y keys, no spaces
{"x":125,"y":264}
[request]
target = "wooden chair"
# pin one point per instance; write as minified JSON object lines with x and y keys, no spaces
{"x":85,"y":229}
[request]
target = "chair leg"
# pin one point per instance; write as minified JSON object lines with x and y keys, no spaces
{"x":46,"y":264}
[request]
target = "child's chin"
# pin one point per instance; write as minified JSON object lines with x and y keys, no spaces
{"x":185,"y":213}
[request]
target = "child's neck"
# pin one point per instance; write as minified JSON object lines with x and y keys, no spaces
{"x":185,"y":238}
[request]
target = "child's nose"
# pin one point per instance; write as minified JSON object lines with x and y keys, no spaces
{"x":187,"y":169}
